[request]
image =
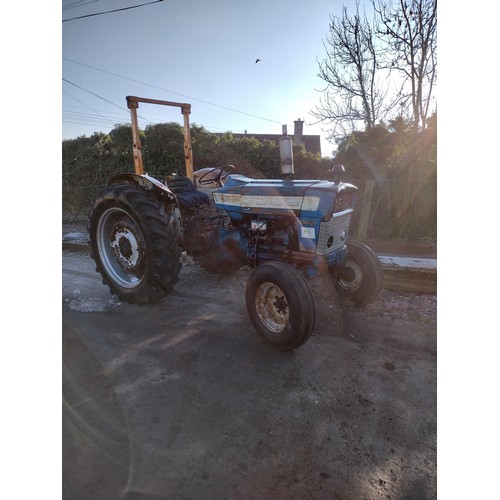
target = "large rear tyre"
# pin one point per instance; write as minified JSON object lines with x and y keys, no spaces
{"x":135,"y":242}
{"x":280,"y":305}
{"x":361,"y":279}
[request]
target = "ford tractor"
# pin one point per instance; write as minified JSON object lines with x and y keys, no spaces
{"x":286,"y":231}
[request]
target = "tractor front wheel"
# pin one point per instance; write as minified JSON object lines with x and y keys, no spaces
{"x":134,"y":240}
{"x":280,"y":305}
{"x":360,"y":280}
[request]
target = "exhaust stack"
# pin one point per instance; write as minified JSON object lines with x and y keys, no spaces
{"x":286,"y":155}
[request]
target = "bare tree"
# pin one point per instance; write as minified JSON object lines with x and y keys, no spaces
{"x":409,"y":30}
{"x":353,"y":99}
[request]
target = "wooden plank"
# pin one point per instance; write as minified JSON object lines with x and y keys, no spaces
{"x":366,"y":206}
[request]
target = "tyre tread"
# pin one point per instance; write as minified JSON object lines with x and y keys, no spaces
{"x":160,"y":229}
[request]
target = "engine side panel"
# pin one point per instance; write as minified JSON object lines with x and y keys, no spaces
{"x":307,"y":198}
{"x":310,"y":202}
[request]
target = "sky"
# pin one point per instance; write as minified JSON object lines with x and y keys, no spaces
{"x":200,"y":52}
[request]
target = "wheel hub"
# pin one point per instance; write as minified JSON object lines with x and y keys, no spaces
{"x":127,"y":245}
{"x":272,"y":307}
{"x":351,"y":276}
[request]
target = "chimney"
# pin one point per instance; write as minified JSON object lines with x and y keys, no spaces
{"x":298,"y":138}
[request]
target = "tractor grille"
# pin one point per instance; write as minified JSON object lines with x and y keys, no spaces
{"x":330,"y":233}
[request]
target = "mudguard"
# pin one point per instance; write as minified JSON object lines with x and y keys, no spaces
{"x":149,"y":184}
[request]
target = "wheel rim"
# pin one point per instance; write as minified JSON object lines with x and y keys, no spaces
{"x":121,"y":247}
{"x":272,"y":307}
{"x":351,"y":276}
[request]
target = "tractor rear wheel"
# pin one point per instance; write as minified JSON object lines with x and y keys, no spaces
{"x":361,"y":279}
{"x":135,"y":242}
{"x":280,"y":305}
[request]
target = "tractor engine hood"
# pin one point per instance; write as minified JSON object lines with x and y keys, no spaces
{"x":241,"y":195}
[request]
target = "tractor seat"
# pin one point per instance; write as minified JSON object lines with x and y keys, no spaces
{"x":185,"y":192}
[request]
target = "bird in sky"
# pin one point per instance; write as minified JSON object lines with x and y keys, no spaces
{"x":257,"y":60}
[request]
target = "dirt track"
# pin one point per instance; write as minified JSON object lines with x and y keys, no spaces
{"x":183,"y":400}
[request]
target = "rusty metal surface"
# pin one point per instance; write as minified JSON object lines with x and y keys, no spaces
{"x":133,"y":105}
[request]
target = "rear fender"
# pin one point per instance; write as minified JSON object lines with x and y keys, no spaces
{"x":149,"y":184}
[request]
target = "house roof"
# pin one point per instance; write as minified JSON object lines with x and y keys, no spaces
{"x":311,"y":143}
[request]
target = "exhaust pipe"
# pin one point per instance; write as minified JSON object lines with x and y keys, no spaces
{"x":286,"y":155}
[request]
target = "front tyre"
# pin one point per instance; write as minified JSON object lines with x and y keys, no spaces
{"x":134,"y":240}
{"x":360,"y":280}
{"x":280,"y":305}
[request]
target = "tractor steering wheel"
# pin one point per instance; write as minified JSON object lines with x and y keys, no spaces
{"x":223,"y":173}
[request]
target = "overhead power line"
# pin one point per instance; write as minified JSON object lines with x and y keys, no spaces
{"x":100,"y":97}
{"x":77,"y":4}
{"x":163,"y":90}
{"x":111,"y":11}
{"x":172,"y":92}
{"x":88,"y":107}
{"x":96,"y":95}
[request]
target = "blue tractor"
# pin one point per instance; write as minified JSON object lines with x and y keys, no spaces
{"x":288,"y":231}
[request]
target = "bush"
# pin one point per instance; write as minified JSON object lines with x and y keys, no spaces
{"x":402,"y":165}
